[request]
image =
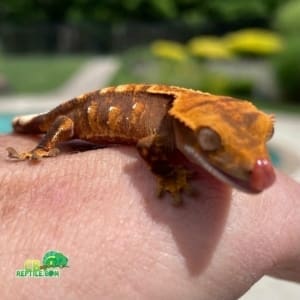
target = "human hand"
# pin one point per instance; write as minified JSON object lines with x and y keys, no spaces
{"x":99,"y":208}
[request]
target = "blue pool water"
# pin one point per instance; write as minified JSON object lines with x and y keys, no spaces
{"x":275,"y":157}
{"x":5,"y":123}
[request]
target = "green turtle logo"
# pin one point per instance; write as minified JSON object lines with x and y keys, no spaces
{"x":54,"y":259}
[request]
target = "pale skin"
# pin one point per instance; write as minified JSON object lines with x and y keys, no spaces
{"x":100,"y":209}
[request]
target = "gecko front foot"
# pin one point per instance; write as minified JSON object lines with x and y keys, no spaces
{"x":174,"y":183}
{"x":35,"y":154}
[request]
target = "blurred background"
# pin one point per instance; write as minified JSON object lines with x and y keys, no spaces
{"x":51,"y":51}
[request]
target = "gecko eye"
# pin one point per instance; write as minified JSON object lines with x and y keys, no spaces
{"x":208,"y":139}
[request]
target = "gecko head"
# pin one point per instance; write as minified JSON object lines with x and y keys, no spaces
{"x":228,"y":138}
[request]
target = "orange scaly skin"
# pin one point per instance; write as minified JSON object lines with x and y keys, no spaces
{"x":224,"y":135}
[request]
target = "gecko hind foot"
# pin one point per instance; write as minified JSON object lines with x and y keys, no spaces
{"x":175,"y":184}
{"x":35,"y":154}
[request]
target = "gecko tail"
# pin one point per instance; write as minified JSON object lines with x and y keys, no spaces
{"x":28,"y":123}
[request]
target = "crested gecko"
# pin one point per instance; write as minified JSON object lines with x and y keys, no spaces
{"x":224,"y":135}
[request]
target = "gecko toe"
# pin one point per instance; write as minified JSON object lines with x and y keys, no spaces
{"x":12,"y":153}
{"x":34,"y":155}
{"x":176,"y":199}
{"x":39,"y":153}
{"x":175,"y":184}
{"x":53,"y":152}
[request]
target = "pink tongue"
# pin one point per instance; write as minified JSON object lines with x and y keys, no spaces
{"x":262,"y":175}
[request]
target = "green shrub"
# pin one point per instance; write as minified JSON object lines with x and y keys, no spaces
{"x":287,"y":19}
{"x":287,"y":68}
{"x":222,"y":84}
{"x":242,"y":88}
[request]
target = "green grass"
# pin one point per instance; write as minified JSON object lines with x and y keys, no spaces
{"x":38,"y":73}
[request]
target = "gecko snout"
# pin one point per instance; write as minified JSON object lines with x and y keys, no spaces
{"x":262,"y":175}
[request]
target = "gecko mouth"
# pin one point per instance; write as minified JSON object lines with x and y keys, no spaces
{"x":238,"y":183}
{"x":248,"y":186}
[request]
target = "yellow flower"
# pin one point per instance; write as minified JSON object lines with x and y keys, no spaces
{"x":254,"y":41}
{"x":168,"y":49}
{"x":209,"y":47}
